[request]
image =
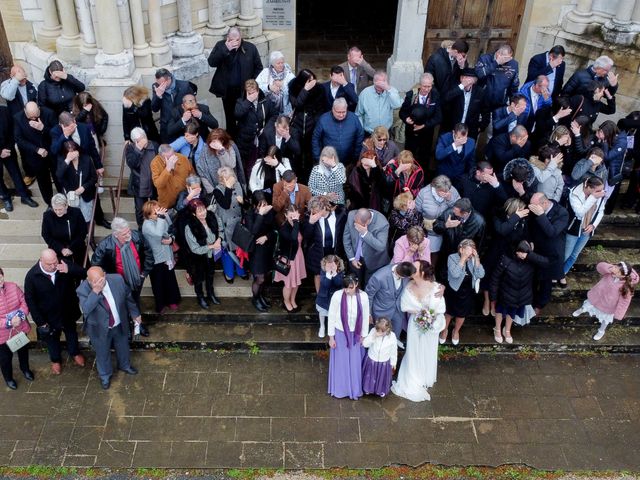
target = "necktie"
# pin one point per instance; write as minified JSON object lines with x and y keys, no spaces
{"x":112,"y":320}
{"x":328,"y":237}
{"x":358,"y":254}
{"x":354,"y":77}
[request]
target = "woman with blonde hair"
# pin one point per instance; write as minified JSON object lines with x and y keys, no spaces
{"x":328,"y":177}
{"x":332,"y":267}
{"x":403,"y":216}
{"x":380,"y":143}
{"x":404,"y":174}
{"x":136,"y":112}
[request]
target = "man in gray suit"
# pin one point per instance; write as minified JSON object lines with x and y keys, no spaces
{"x":365,"y":242}
{"x":357,"y":71}
{"x":384,"y":289}
{"x":106,"y":303}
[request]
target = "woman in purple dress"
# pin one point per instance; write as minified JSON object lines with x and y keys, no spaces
{"x":348,"y":325}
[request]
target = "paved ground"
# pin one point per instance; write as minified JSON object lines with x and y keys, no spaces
{"x":200,"y":410}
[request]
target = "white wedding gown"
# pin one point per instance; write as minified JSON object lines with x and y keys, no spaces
{"x":419,"y":367}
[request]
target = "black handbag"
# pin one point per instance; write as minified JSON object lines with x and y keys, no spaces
{"x":281,"y":263}
{"x":243,"y":238}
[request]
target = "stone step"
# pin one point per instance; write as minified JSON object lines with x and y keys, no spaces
{"x":241,"y":311}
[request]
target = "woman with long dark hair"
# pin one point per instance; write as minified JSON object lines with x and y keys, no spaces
{"x":260,"y":221}
{"x":89,"y":111}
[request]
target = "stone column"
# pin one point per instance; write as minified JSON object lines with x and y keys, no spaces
{"x":160,"y":51}
{"x":216,"y":28}
{"x":186,"y":42}
{"x":620,"y":29}
{"x":88,"y":49}
{"x":50,"y":31}
{"x":113,"y":61}
{"x":248,"y":23}
{"x":635,"y":17}
{"x":258,"y":8}
{"x":405,"y":64}
{"x":141,"y":50}
{"x":580,"y":19}
{"x":68,"y":44}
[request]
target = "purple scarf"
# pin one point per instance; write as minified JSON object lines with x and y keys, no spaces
{"x":344,"y":316}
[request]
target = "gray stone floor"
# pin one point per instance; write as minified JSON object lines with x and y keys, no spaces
{"x":205,"y":410}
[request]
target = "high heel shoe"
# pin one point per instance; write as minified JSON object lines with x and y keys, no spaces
{"x":496,"y":335}
{"x":507,"y":335}
{"x":441,"y":340}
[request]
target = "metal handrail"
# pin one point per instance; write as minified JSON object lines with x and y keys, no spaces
{"x":119,"y":184}
{"x":92,"y":225}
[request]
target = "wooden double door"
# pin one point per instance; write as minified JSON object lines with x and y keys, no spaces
{"x":484,"y":24}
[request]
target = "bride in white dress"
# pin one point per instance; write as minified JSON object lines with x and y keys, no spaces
{"x":419,"y":367}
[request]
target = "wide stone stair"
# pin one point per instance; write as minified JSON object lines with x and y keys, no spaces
{"x":236,"y":325}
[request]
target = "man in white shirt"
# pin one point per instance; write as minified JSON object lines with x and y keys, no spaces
{"x":107,"y":304}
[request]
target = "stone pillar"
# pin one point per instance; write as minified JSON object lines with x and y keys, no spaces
{"x":186,"y":42}
{"x":125,"y":23}
{"x":50,"y":30}
{"x":68,"y":44}
{"x":248,"y":23}
{"x":216,"y":28}
{"x":141,"y":50}
{"x":580,"y":19}
{"x":160,"y":51}
{"x":112,"y":61}
{"x":405,"y":64}
{"x":88,"y":49}
{"x":620,"y":29}
{"x":258,"y":8}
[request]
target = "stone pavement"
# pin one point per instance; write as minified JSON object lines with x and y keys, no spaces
{"x":191,"y":409}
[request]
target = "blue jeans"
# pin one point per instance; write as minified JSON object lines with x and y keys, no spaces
{"x":573,"y":247}
{"x":229,"y":267}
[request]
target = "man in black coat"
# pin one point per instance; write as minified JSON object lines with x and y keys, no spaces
{"x":551,"y":64}
{"x":32,"y":128}
{"x":167,"y":97}
{"x":68,"y":129}
{"x":446,"y":64}
{"x":339,"y":87}
{"x":578,"y":83}
{"x":186,"y":113}
{"x":279,"y":134}
{"x":49,"y":290}
{"x":547,"y":233}
{"x":503,"y":148}
{"x":484,"y":190}
{"x":8,"y":159}
{"x":466,"y":93}
{"x":235,"y":61}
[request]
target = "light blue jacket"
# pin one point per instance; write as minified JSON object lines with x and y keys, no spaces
{"x":456,"y":272}
{"x":376,"y":109}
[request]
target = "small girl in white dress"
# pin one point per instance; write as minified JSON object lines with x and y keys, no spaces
{"x":381,"y":360}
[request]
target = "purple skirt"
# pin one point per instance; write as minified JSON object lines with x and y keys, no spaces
{"x":345,"y":368}
{"x":376,"y":377}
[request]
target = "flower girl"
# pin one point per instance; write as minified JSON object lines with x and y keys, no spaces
{"x":382,"y":356}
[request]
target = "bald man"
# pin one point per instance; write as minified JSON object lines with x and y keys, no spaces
{"x":49,"y":291}
{"x":18,"y":90}
{"x":107,"y":304}
{"x":31,"y":128}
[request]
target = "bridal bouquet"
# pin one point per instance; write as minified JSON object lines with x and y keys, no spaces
{"x":424,"y":320}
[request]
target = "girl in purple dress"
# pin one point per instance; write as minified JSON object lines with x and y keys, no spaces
{"x":381,"y":360}
{"x":347,"y":327}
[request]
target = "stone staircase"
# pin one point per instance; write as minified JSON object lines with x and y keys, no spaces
{"x":236,"y":325}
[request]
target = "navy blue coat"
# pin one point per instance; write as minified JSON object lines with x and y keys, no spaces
{"x":87,"y":144}
{"x":538,"y":65}
{"x":348,"y":92}
{"x":449,"y":162}
{"x":345,"y":136}
{"x":500,"y":81}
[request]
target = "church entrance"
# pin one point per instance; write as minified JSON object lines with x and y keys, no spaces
{"x":483,"y":24}
{"x":326,"y":30}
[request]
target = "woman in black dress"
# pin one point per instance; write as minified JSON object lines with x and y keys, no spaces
{"x":465,"y":272}
{"x":77,"y":174}
{"x":260,"y":221}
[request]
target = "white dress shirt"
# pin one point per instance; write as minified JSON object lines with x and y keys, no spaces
{"x":467,"y":101}
{"x":52,"y":276}
{"x":106,"y":292}
{"x":335,"y":320}
{"x":332,"y":226}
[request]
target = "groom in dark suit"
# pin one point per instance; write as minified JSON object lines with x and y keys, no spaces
{"x":106,"y":303}
{"x":384,"y":289}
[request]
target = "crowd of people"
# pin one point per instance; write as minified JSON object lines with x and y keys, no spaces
{"x":497,"y":189}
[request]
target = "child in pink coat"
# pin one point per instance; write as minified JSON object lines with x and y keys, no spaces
{"x":609,"y":299}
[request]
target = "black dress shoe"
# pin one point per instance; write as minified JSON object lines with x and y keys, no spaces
{"x":12,"y":384}
{"x":213,"y":300}
{"x":227,"y":279}
{"x":255,"y":301}
{"x":264,"y":300}
{"x":105,"y":384}
{"x":245,"y":276}
{"x":106,"y":224}
{"x":8,"y":205}
{"x":203,"y":303}
{"x":130,"y":371}
{"x":144,"y":331}
{"x":28,"y":201}
{"x":28,"y":374}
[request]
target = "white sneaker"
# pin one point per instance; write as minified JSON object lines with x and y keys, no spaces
{"x":321,"y":331}
{"x":599,"y":334}
{"x":400,"y":344}
{"x":578,"y":312}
